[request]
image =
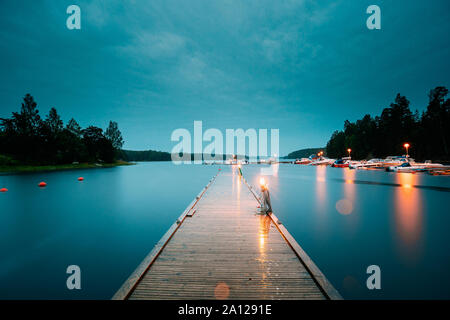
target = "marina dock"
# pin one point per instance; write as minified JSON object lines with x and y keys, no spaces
{"x":221,"y":248}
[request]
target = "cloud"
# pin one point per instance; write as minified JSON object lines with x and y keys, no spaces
{"x":154,"y":45}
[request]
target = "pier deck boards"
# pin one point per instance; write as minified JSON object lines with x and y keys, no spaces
{"x":224,"y":250}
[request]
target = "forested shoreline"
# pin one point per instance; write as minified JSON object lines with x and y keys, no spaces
{"x":428,"y":134}
{"x":28,"y":139}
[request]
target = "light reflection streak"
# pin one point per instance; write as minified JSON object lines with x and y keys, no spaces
{"x":408,"y":214}
{"x":263,"y":232}
{"x":321,"y":191}
{"x":349,"y":187}
{"x":263,"y":235}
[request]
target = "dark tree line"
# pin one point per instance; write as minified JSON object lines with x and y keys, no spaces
{"x":428,"y":134}
{"x":148,"y":155}
{"x":29,"y":139}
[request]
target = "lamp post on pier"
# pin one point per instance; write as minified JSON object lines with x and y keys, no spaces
{"x":266,"y":206}
{"x":406,"y":145}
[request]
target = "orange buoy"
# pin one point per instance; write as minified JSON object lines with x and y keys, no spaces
{"x":3,"y":190}
{"x":42,"y":184}
{"x":80,"y":179}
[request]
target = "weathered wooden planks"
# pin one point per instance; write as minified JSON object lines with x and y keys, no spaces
{"x":221,"y":249}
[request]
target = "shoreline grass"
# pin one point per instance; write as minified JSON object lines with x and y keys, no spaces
{"x":7,"y":169}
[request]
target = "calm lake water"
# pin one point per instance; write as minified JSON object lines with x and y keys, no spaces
{"x":345,"y":220}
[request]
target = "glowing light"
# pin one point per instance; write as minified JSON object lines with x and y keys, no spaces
{"x":261,"y":241}
{"x":262,"y":182}
{"x":406,"y":145}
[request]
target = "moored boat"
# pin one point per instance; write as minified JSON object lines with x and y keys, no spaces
{"x":302,"y":161}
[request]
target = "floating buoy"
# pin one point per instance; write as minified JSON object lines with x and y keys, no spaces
{"x":80,"y":179}
{"x":42,"y":184}
{"x":3,"y":190}
{"x":220,"y":169}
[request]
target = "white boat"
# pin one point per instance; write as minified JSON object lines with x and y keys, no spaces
{"x":415,"y":167}
{"x":322,"y":161}
{"x":303,"y":161}
{"x":372,"y":163}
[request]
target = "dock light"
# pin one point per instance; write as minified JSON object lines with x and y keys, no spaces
{"x":262,"y":182}
{"x":406,"y":145}
{"x":349,"y":151}
{"x":266,"y":206}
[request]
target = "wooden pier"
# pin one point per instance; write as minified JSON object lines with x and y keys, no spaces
{"x":220,"y":248}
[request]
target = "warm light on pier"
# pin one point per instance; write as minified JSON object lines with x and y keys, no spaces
{"x":262,"y":182}
{"x":349,"y":151}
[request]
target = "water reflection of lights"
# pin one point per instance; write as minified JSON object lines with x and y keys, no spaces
{"x":345,"y":206}
{"x":349,"y":176}
{"x":408,"y":213}
{"x":275,"y":167}
{"x":321,"y":188}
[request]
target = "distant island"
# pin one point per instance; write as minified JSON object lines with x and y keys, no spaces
{"x":303,"y":153}
{"x":148,"y":155}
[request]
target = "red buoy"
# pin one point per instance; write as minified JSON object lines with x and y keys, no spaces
{"x":80,"y":179}
{"x":42,"y":184}
{"x":3,"y":190}
{"x":220,"y":169}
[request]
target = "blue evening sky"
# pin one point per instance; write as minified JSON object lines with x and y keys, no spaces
{"x":300,"y":66}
